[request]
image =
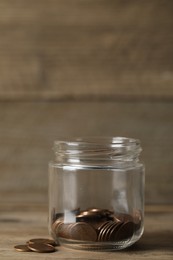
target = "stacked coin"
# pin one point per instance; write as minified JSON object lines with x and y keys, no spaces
{"x":112,"y":231}
{"x":39,"y":245}
{"x":96,"y":224}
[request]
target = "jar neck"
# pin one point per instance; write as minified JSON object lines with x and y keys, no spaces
{"x":97,"y":152}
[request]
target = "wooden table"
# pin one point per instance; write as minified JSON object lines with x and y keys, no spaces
{"x":19,"y":223}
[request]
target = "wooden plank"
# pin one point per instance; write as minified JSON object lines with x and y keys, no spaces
{"x":28,"y":129}
{"x":19,"y":223}
{"x":75,"y":49}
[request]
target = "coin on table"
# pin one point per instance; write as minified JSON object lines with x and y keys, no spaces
{"x":22,"y":248}
{"x":41,"y":248}
{"x":42,"y":241}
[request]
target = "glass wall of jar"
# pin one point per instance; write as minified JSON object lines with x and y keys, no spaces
{"x":96,"y":193}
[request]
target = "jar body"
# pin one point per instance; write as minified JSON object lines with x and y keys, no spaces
{"x":96,"y":207}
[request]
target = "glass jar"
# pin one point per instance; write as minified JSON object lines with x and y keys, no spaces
{"x":96,"y":193}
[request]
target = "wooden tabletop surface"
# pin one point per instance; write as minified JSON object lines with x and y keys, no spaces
{"x":20,"y":222}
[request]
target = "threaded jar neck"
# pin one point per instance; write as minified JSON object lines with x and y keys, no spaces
{"x":109,"y":152}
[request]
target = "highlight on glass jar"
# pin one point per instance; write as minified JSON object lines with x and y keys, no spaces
{"x":96,"y":193}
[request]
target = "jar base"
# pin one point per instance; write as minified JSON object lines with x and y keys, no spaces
{"x":95,"y":246}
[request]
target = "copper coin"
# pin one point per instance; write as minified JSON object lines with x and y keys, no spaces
{"x":102,"y":225}
{"x":64,"y":230}
{"x":95,"y":211}
{"x":106,"y":231}
{"x":88,"y":214}
{"x":96,"y":223}
{"x":102,"y":229}
{"x":56,"y":225}
{"x":113,"y":231}
{"x":107,"y":212}
{"x":124,"y":217}
{"x":42,"y":241}
{"x":41,"y":248}
{"x":125,"y":231}
{"x":57,"y":221}
{"x":137,"y":216}
{"x":83,"y":231}
{"x":101,"y":212}
{"x":137,"y":219}
{"x":115,"y":219}
{"x":22,"y":248}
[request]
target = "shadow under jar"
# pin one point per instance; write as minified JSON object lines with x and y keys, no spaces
{"x":96,"y":193}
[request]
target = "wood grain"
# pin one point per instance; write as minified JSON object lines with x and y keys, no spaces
{"x":19,"y":223}
{"x":81,"y":49}
{"x":28,"y":130}
{"x":75,"y":68}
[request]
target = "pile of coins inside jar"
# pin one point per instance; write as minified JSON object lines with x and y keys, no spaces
{"x":96,"y":225}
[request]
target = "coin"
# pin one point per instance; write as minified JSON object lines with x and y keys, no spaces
{"x":101,"y":212}
{"x":102,"y":225}
{"x":97,"y":211}
{"x":113,"y":231}
{"x":56,"y":225}
{"x":103,"y":231}
{"x":108,"y":232}
{"x":83,"y":231}
{"x":88,"y":214}
{"x":107,"y":212}
{"x":96,"y":224}
{"x":137,"y":219}
{"x":41,"y":248}
{"x":125,"y":231}
{"x":42,"y":241}
{"x":64,"y":230}
{"x":124,"y":217}
{"x":22,"y":248}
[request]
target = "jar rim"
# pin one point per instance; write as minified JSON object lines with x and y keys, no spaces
{"x":110,"y":141}
{"x":96,"y":151}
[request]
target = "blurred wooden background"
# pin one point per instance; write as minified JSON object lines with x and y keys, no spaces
{"x":84,"y":67}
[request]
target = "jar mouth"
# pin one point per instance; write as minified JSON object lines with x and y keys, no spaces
{"x":108,"y":141}
{"x":97,"y":150}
